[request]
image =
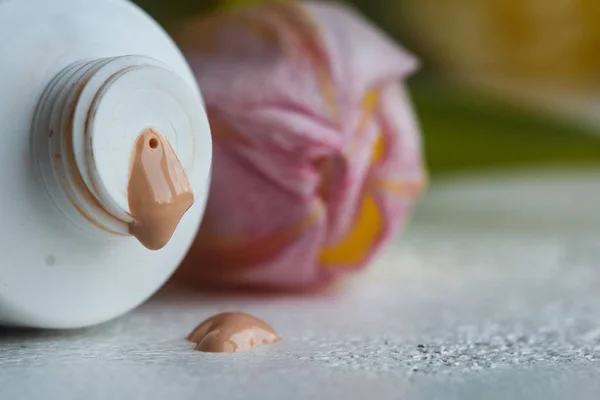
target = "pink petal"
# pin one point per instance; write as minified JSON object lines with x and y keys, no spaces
{"x":311,"y":130}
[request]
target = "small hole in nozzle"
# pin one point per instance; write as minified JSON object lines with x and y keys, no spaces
{"x":153,"y":143}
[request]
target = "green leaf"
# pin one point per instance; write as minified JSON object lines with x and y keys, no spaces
{"x":463,"y":130}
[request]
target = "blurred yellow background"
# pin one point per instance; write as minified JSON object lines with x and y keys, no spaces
{"x":505,"y":83}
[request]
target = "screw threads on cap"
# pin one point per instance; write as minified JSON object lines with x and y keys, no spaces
{"x":84,"y":128}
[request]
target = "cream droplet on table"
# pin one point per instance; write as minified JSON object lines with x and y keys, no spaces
{"x":231,"y":332}
{"x":159,"y":192}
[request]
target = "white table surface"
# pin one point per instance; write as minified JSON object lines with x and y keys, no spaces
{"x":497,"y":278}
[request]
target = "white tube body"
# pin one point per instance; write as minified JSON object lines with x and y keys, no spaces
{"x":79,"y":80}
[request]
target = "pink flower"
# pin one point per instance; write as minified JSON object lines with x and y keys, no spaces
{"x":317,"y":154}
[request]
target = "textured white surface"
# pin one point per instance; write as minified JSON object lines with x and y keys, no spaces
{"x":491,"y":294}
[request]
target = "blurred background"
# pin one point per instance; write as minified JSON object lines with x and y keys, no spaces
{"x":505,"y":83}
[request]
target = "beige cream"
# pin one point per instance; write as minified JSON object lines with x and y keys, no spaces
{"x":159,"y":192}
{"x":231,"y":332}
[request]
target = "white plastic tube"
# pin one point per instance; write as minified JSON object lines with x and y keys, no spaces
{"x":79,"y":81}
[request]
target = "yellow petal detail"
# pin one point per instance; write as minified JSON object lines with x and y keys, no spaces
{"x":361,"y":238}
{"x":378,"y":150}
